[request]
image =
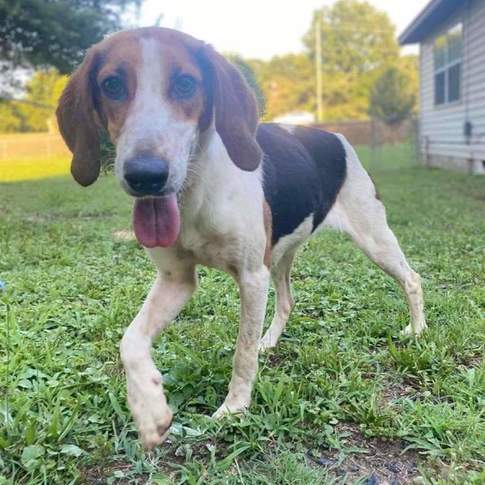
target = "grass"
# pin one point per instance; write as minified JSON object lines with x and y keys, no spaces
{"x":342,"y":399}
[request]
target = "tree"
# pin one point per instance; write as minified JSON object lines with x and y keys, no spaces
{"x":287,"y":83}
{"x":57,"y":32}
{"x":392,"y":100}
{"x":355,"y":37}
{"x":39,"y":103}
{"x":248,"y":72}
{"x":40,"y":34}
{"x":36,"y":109}
{"x":11,"y":118}
{"x":409,"y":66}
{"x":358,"y":44}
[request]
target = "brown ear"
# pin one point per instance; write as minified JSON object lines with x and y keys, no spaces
{"x":76,"y":119}
{"x":235,"y":109}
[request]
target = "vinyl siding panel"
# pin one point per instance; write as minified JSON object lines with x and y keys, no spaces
{"x":442,"y":127}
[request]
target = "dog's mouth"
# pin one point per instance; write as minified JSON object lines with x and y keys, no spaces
{"x":156,"y":221}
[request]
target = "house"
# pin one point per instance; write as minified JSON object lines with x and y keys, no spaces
{"x":451,"y":35}
{"x":296,"y":118}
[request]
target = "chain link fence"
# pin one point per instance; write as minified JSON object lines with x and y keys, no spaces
{"x":32,"y":146}
{"x":375,"y":138}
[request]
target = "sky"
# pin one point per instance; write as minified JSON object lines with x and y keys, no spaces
{"x":257,"y":28}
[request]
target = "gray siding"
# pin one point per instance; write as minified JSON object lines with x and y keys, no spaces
{"x":442,"y":126}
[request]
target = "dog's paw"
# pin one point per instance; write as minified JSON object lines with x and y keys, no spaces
{"x":267,"y":343}
{"x":410,"y":332}
{"x":150,"y":411}
{"x":230,"y":408}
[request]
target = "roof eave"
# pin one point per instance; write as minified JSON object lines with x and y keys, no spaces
{"x":433,"y":14}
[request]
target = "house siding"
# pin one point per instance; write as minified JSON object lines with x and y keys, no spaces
{"x":442,"y":127}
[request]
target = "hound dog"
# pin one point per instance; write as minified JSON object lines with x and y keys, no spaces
{"x":212,"y":186}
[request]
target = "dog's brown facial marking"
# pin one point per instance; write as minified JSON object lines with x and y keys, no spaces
{"x":184,"y":85}
{"x":116,"y":84}
{"x":179,"y":77}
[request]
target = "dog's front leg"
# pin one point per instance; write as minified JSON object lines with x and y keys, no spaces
{"x":146,"y":399}
{"x":253,"y":286}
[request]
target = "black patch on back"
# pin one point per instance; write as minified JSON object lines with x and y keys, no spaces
{"x":302,"y":174}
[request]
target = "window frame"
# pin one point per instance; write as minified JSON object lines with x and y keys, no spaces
{"x":448,"y":65}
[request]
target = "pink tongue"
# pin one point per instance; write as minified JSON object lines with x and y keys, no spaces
{"x":156,"y":221}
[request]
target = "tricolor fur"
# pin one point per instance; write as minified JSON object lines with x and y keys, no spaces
{"x":213,"y":187}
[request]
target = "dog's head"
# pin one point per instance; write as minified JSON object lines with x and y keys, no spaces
{"x":155,"y":92}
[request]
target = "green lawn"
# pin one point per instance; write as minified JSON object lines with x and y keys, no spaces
{"x":343,"y":398}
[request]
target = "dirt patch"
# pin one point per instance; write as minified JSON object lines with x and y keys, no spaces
{"x":471,"y":362}
{"x":42,"y":218}
{"x":274,"y":360}
{"x":394,"y":391}
{"x":123,"y":235}
{"x":36,"y":219}
{"x":99,"y":475}
{"x":124,"y":473}
{"x":373,"y":461}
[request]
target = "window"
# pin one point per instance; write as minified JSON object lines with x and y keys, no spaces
{"x":448,"y":54}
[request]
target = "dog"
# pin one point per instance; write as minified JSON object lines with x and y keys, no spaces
{"x":213,"y":186}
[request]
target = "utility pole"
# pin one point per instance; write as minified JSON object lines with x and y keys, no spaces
{"x":318,"y":68}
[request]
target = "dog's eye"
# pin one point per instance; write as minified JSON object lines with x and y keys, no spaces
{"x":114,"y":88}
{"x":184,"y":86}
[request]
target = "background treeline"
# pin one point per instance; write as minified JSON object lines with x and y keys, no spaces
{"x":40,"y":41}
{"x":362,"y":70}
{"x":34,"y":112}
{"x":359,"y":50}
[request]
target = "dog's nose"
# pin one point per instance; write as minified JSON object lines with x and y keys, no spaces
{"x":146,"y":176}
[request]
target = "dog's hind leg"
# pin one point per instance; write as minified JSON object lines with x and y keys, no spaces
{"x":359,"y":212}
{"x":284,"y":300}
{"x":380,"y":244}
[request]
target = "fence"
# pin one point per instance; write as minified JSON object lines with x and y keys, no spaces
{"x":32,"y":146}
{"x":375,"y":134}
{"x":372,"y":132}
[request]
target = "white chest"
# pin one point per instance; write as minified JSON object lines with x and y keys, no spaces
{"x":214,"y":235}
{"x":222,"y":222}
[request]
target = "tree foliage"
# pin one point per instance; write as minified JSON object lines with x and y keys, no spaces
{"x":361,"y":68}
{"x":358,"y":44}
{"x":57,"y":32}
{"x":11,"y":117}
{"x":356,"y":38}
{"x":409,"y":66}
{"x":35,"y":111}
{"x":41,"y":98}
{"x":391,"y":99}
{"x":50,"y":36}
{"x":248,"y":72}
{"x":287,"y":83}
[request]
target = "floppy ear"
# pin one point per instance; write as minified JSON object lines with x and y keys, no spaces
{"x":76,"y":117}
{"x":234,"y":105}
